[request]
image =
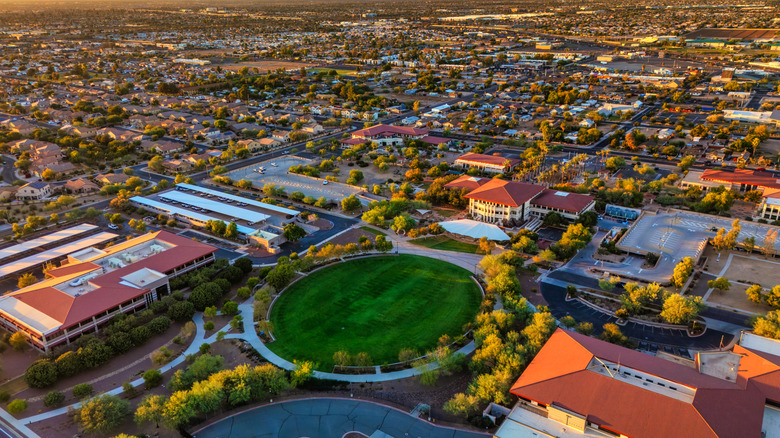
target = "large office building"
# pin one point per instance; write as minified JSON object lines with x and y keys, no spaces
{"x":578,"y":386}
{"x":92,"y":285}
{"x":500,"y":202}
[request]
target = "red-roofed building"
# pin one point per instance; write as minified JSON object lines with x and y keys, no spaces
{"x":580,"y":386}
{"x":486,"y":163}
{"x":385,"y":135}
{"x":466,"y":182}
{"x":500,"y":201}
{"x":94,"y":285}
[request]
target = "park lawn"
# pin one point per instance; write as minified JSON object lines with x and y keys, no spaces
{"x":446,"y":212}
{"x":373,"y":231}
{"x":446,"y":244}
{"x":377,"y":305}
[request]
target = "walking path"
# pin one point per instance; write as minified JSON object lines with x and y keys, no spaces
{"x":467,"y":261}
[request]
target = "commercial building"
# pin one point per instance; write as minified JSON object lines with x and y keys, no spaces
{"x":741,"y":180}
{"x":256,"y":222}
{"x":504,"y":202}
{"x":486,"y":163}
{"x":385,"y":135}
{"x":93,"y":285}
{"x":578,"y":386}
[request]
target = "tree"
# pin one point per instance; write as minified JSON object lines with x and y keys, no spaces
{"x":342,"y":358}
{"x":293,"y":232}
{"x":772,"y":297}
{"x":678,"y":309}
{"x":103,"y":413}
{"x":230,"y":308}
{"x":682,"y":272}
{"x":720,"y":283}
{"x":18,"y":341}
{"x":150,"y":410}
{"x":350,"y":203}
{"x":755,"y":293}
{"x":613,"y":335}
{"x":231,"y":231}
{"x":41,"y":373}
{"x":25,"y":280}
{"x":303,"y":371}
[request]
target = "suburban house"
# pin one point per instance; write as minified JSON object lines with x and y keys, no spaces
{"x":112,"y":178}
{"x":81,"y":185}
{"x":34,"y":191}
{"x":578,"y":386}
{"x":505,"y":202}
{"x":94,"y":285}
{"x":486,"y":163}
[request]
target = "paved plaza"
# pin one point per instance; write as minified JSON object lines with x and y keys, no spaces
{"x":327,"y":418}
{"x":292,"y":182}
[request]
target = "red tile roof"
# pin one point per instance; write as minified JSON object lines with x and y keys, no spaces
{"x":742,"y":176}
{"x":493,"y":160}
{"x":559,"y":375}
{"x":573,"y":202}
{"x":389,"y":130}
{"x":466,"y":182}
{"x":511,"y":193}
{"x":70,"y":310}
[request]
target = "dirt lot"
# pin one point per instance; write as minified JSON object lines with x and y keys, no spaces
{"x":735,"y":297}
{"x":754,"y":270}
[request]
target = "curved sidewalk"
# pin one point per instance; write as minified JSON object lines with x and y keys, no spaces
{"x":250,"y":336}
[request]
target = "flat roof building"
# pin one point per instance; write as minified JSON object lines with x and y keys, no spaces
{"x":94,"y":285}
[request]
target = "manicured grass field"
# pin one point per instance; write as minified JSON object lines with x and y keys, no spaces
{"x":376,"y":305}
{"x":445,"y":244}
{"x":373,"y":231}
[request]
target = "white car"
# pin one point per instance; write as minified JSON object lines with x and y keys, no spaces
{"x":113,"y":227}
{"x":324,"y":183}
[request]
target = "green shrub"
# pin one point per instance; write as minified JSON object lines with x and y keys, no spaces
{"x":41,"y":373}
{"x":230,"y":308}
{"x":159,"y":325}
{"x":205,"y":348}
{"x":209,"y":325}
{"x":54,"y":398}
{"x":17,"y":406}
{"x":152,"y":378}
{"x":244,"y":292}
{"x":5,"y":396}
{"x":82,"y":390}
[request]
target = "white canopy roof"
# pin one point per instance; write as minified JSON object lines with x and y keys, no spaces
{"x":474,"y":229}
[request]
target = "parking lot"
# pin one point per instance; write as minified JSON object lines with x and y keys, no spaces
{"x":275,"y":172}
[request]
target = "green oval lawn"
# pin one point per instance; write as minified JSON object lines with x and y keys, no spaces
{"x":377,"y":305}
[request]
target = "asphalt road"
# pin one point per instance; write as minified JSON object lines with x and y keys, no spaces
{"x":556,"y":299}
{"x":327,"y":418}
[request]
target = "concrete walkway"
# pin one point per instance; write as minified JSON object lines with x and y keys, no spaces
{"x":250,"y":336}
{"x":194,"y":347}
{"x":467,"y":261}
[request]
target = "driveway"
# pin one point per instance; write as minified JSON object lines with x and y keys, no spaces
{"x":327,"y":418}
